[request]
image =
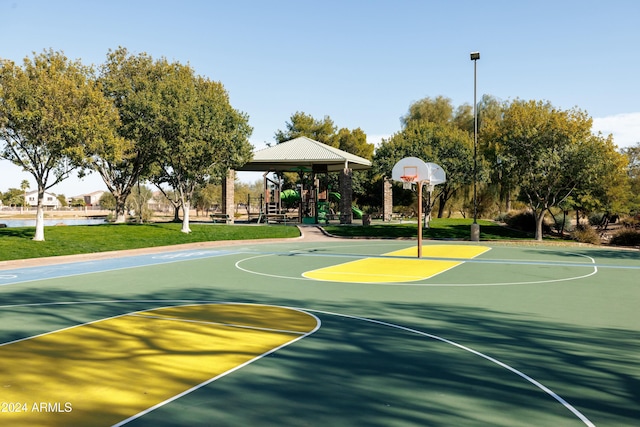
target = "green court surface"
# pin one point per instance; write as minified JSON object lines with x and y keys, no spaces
{"x":336,"y":332}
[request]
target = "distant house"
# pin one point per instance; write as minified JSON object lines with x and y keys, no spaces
{"x":49,"y":201}
{"x":93,"y":199}
{"x":90,"y":199}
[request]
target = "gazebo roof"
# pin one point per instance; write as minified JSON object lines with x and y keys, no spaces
{"x":304,"y":153}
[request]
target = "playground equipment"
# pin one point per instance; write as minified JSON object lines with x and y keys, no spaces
{"x":357,"y":213}
{"x":313,"y":206}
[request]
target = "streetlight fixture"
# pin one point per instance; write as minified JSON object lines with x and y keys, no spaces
{"x":475,"y":227}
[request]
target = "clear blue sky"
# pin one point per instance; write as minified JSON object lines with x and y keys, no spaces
{"x":360,"y":62}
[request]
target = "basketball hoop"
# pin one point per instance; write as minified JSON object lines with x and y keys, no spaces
{"x":412,"y":170}
{"x":408,"y":181}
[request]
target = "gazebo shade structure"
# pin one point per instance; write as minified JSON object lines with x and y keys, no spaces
{"x":306,"y":154}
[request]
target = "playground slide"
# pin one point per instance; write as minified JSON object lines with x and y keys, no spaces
{"x":357,"y":213}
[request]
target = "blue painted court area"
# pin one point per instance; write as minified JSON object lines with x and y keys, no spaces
{"x":22,"y":275}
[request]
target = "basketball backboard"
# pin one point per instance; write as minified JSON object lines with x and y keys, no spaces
{"x":409,"y":169}
{"x":413,"y":169}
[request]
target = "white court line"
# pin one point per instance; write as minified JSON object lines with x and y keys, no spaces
{"x":224,"y":374}
{"x":539,"y":385}
{"x":566,"y":279}
{"x":493,"y":360}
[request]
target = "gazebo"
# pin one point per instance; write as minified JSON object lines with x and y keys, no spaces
{"x":304,"y":154}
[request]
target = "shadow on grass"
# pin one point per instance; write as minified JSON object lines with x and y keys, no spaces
{"x":18,"y":232}
{"x":354,"y":372}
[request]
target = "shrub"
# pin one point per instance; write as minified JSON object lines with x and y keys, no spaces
{"x":562,"y":222}
{"x":525,"y":221}
{"x":585,"y":234}
{"x":626,"y":237}
{"x":502,"y":217}
{"x":630,"y":222}
{"x":596,"y":218}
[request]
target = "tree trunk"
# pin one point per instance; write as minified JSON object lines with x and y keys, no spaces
{"x":539,"y":220}
{"x":176,"y":213}
{"x":39,"y":236}
{"x":121,"y":214}
{"x":441,"y":204}
{"x":185,"y":216}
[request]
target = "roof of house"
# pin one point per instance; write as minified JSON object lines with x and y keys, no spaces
{"x":304,"y":153}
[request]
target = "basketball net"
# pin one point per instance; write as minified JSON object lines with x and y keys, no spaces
{"x":408,"y":181}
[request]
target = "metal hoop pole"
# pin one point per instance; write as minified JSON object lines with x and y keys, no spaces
{"x":420,"y":219}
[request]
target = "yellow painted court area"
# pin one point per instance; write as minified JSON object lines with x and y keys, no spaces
{"x":107,"y":371}
{"x":396,"y":270}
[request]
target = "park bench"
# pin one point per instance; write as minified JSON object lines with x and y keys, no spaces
{"x":275,"y":218}
{"x":220,"y":217}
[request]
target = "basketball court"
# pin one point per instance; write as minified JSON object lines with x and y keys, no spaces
{"x":324,"y":332}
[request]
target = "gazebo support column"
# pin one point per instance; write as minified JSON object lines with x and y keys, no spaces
{"x":387,"y":200}
{"x":346,"y":196}
{"x":228,"y":195}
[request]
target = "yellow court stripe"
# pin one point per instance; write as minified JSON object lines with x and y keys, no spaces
{"x":390,"y":270}
{"x":110,"y":370}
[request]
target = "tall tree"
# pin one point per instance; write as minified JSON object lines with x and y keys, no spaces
{"x":354,"y":142}
{"x":303,"y":124}
{"x":131,"y":82}
{"x":51,"y":109}
{"x":435,"y":131}
{"x":552,"y":152}
{"x":502,"y":180}
{"x":607,"y":188}
{"x":449,"y":147}
{"x":202,"y":135}
{"x":632,"y":154}
{"x":438,"y":110}
{"x":13,"y":197}
{"x":24,"y":186}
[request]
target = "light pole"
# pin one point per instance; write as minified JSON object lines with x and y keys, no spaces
{"x":475,"y":227}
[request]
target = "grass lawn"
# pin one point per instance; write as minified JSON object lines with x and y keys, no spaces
{"x":17,"y":243}
{"x":439,"y":228}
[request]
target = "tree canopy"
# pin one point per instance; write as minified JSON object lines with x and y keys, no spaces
{"x":445,"y":145}
{"x":302,"y":124}
{"x":552,"y":152}
{"x":201,"y":136}
{"x":130,"y":82}
{"x":51,"y":110}
{"x":434,"y":131}
{"x":142,"y":119}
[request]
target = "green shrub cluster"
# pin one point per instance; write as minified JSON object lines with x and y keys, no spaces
{"x":626,"y":237}
{"x":562,"y":222}
{"x":596,"y":218}
{"x":524,"y":221}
